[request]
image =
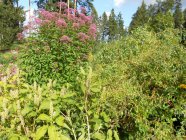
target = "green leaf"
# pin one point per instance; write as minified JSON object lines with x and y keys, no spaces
{"x":52,"y":133}
{"x":109,"y":134}
{"x":95,"y":88}
{"x":63,"y":137}
{"x":60,"y":120}
{"x":14,"y":137}
{"x":26,"y":110}
{"x":116,"y":135}
{"x":45,"y":105}
{"x":98,"y":136}
{"x":44,"y":117}
{"x":41,"y":132}
{"x":105,"y":117}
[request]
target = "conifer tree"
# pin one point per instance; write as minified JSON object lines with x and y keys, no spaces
{"x":11,"y":19}
{"x":112,"y":26}
{"x":178,"y":18}
{"x":104,"y":26}
{"x":140,"y":17}
{"x":120,"y":22}
{"x":184,"y":16}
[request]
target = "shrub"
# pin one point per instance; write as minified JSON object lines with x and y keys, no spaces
{"x":142,"y":75}
{"x":59,"y":45}
{"x":40,"y":112}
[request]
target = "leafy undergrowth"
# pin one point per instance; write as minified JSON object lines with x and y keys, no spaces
{"x":136,"y":90}
{"x":142,"y":75}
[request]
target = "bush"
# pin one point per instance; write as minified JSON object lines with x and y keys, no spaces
{"x":142,"y":75}
{"x":60,"y":44}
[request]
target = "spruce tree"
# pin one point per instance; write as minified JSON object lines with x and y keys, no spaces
{"x":178,"y":18}
{"x":120,"y":22}
{"x":184,"y":17}
{"x":112,"y":26}
{"x":140,"y":17}
{"x":104,"y":26}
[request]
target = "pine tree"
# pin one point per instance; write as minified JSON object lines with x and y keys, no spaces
{"x":184,"y":16}
{"x":112,"y":26}
{"x":140,"y":17}
{"x":178,"y":18}
{"x":104,"y":26}
{"x":120,"y":22}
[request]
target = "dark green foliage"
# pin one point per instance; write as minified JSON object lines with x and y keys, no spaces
{"x":162,"y":21}
{"x":140,"y":18}
{"x":178,"y":18}
{"x":11,"y":23}
{"x":120,"y":23}
{"x":104,"y":26}
{"x":112,"y":26}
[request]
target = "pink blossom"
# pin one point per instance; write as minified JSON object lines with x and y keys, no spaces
{"x":45,"y":22}
{"x":81,"y":22}
{"x":38,"y":21}
{"x":70,"y":11}
{"x":92,"y":30}
{"x":61,"y":23}
{"x":47,"y":15}
{"x":75,"y":25}
{"x":20,"y":36}
{"x":83,"y":10}
{"x":65,"y":39}
{"x":83,"y":37}
{"x":62,"y":4}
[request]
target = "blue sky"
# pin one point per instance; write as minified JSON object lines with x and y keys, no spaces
{"x":126,"y":7}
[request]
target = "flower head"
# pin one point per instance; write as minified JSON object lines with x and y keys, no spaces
{"x":62,"y":4}
{"x":20,"y":36}
{"x":83,"y":37}
{"x":61,"y":23}
{"x":65,"y":39}
{"x":83,"y":10}
{"x":75,"y":25}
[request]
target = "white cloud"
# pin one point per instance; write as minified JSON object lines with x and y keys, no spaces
{"x":119,"y":2}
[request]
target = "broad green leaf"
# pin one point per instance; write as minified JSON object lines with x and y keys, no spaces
{"x":116,"y":135}
{"x":26,"y":110}
{"x":52,"y":133}
{"x":44,"y":117}
{"x":41,"y":132}
{"x":60,"y":120}
{"x":63,"y":137}
{"x":98,"y":136}
{"x":14,"y":137}
{"x":45,"y":105}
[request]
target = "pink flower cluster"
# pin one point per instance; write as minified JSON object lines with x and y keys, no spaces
{"x":76,"y":25}
{"x":83,"y":10}
{"x":62,"y":4}
{"x":92,"y":30}
{"x":65,"y":39}
{"x":20,"y":36}
{"x":48,"y":15}
{"x":61,"y":23}
{"x":83,"y":37}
